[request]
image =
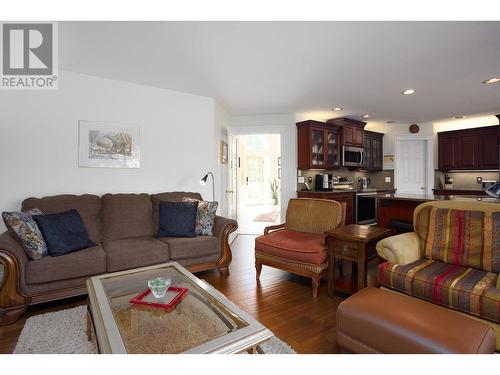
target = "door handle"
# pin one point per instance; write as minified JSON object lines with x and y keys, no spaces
{"x":229,"y":191}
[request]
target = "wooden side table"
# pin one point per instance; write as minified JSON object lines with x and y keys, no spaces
{"x":350,"y":243}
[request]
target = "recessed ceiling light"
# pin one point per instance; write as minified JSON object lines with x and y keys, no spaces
{"x":492,"y":80}
{"x":391,"y":122}
{"x":408,"y":92}
{"x":458,"y":117}
{"x":337,"y":109}
{"x":367,"y":116}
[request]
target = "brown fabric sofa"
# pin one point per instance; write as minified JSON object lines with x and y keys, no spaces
{"x":124,"y":227}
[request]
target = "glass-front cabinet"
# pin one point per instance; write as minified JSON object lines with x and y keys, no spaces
{"x":318,"y":145}
{"x":318,"y":148}
{"x":332,"y":149}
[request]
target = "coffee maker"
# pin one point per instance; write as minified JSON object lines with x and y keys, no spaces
{"x":322,"y":182}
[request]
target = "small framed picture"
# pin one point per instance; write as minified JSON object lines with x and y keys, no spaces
{"x":108,"y":145}
{"x":223,"y":152}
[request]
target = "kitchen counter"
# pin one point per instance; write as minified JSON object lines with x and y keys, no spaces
{"x":433,"y":197}
{"x":336,"y":191}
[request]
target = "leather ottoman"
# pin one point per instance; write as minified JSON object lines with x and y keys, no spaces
{"x":379,"y":321}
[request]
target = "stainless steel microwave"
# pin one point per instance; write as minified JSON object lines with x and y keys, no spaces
{"x":352,"y":156}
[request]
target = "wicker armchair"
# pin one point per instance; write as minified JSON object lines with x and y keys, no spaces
{"x":298,"y":245}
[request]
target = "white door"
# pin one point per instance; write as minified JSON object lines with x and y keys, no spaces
{"x":411,"y":167}
{"x":231,"y":192}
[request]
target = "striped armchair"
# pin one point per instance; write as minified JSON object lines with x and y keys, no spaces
{"x":298,"y":245}
{"x":452,"y":258}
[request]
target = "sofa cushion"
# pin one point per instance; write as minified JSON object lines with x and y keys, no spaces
{"x":461,"y":288}
{"x":63,"y":232}
{"x":24,"y":229}
{"x":455,"y":237}
{"x":130,"y":253}
{"x":127,"y":216}
{"x":187,"y":248}
{"x":205,"y":216}
{"x":467,"y":238}
{"x":293,"y":245}
{"x":178,"y":219}
{"x":86,"y":262}
{"x":174,"y":196}
{"x":88,"y":206}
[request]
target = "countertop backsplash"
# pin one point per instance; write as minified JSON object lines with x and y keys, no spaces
{"x":464,"y":180}
{"x":377,"y":178}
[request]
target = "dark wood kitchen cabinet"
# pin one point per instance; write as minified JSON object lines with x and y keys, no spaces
{"x":351,"y":131}
{"x":318,"y":145}
{"x":373,"y":157}
{"x":469,"y":149}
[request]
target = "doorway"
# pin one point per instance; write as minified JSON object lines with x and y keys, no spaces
{"x":413,"y":172}
{"x":257,"y":179}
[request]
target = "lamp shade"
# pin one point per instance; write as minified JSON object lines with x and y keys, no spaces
{"x":203,"y":181}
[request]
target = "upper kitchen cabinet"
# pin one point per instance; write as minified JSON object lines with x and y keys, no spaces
{"x":469,"y":149}
{"x":373,"y":154}
{"x":351,"y":131}
{"x":317,"y":145}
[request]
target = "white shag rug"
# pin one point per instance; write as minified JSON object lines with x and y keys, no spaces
{"x":65,"y":332}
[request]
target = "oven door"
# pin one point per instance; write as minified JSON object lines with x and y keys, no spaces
{"x":352,"y":156}
{"x":366,"y":208}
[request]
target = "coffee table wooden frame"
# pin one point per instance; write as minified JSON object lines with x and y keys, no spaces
{"x":107,"y":334}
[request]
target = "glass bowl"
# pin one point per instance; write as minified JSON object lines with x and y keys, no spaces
{"x":159,"y":286}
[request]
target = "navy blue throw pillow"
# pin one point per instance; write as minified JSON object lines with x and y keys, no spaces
{"x":177,"y":219}
{"x":63,"y":232}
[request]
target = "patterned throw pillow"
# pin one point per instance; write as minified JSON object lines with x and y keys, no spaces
{"x":205,"y":216}
{"x":24,"y":228}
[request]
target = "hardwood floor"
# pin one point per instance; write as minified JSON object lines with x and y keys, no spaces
{"x":281,"y":301}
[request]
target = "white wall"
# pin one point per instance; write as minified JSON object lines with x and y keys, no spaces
{"x":391,"y":131}
{"x":222,"y":123}
{"x":39,"y":139}
{"x":273,"y":124}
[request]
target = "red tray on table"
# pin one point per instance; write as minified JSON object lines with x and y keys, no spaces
{"x":173,"y":296}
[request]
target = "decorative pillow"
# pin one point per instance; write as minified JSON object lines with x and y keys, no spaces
{"x":455,"y":237}
{"x":205,"y":216}
{"x":22,"y":226}
{"x":63,"y":232}
{"x":177,"y":219}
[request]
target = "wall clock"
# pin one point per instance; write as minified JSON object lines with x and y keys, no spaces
{"x":414,"y":128}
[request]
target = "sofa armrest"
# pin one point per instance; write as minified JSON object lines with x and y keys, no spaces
{"x":14,"y":248}
{"x":223,"y":227}
{"x":401,"y":249}
{"x":221,"y":224}
{"x":13,"y":259}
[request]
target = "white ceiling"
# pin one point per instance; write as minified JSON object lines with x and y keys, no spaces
{"x":297,"y":67}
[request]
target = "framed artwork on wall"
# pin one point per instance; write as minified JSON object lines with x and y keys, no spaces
{"x":108,"y":145}
{"x":223,"y":152}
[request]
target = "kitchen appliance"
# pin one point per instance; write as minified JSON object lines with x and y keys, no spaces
{"x":494,"y":191}
{"x":366,"y":207}
{"x":325,"y":182}
{"x":448,"y":181}
{"x":342,"y":183}
{"x":352,"y":156}
{"x":364,"y":182}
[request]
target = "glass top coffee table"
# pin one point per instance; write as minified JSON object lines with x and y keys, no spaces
{"x":204,"y":321}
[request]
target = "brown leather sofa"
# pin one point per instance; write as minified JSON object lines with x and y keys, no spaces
{"x":124,"y":227}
